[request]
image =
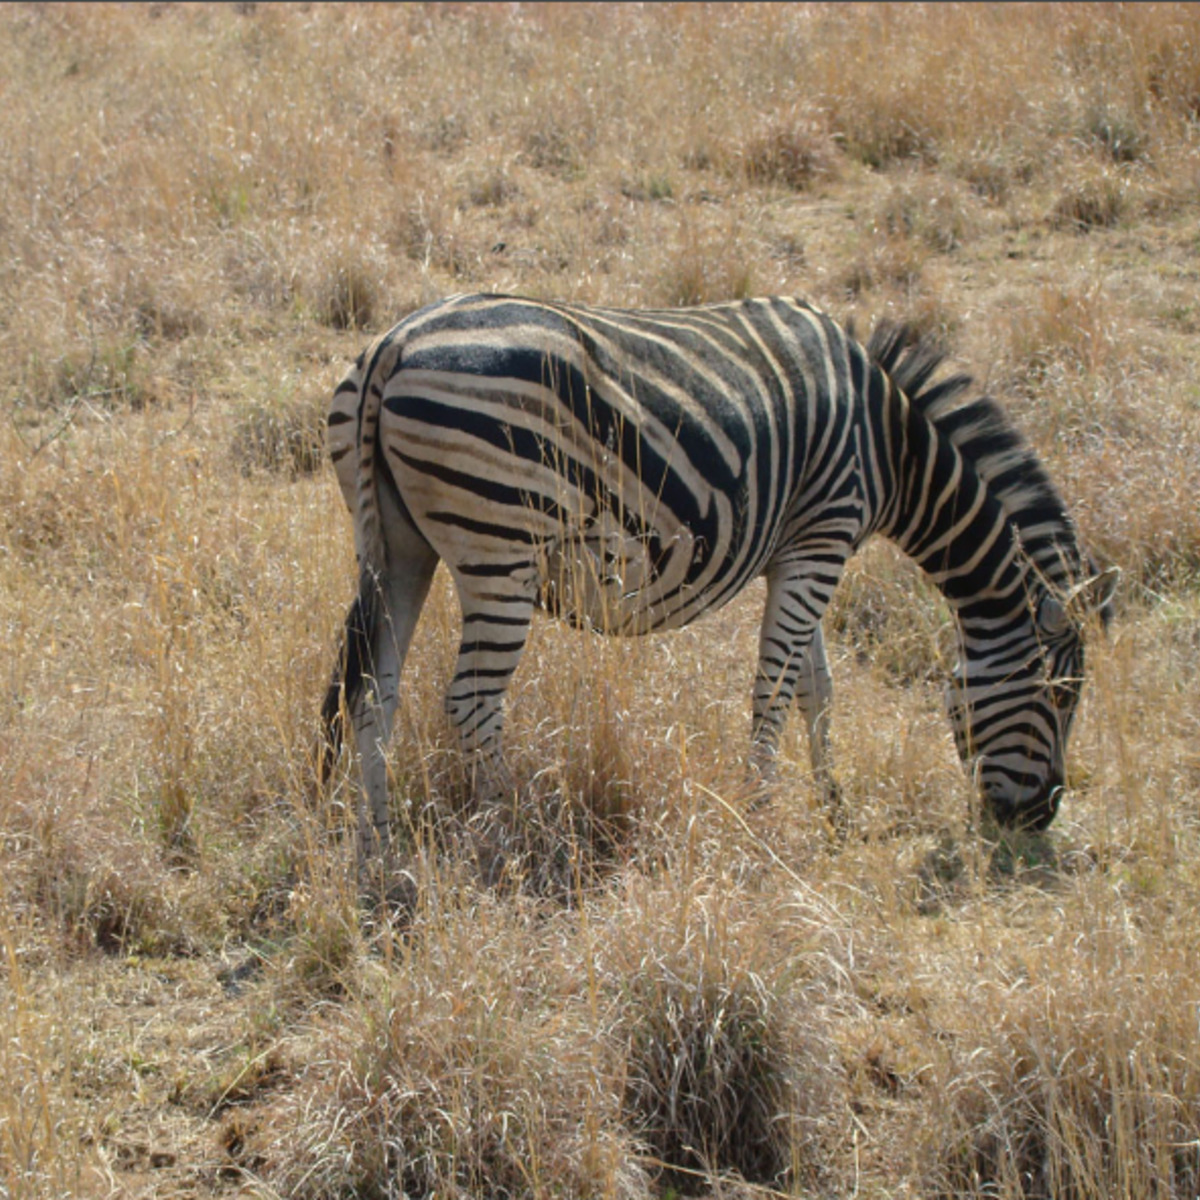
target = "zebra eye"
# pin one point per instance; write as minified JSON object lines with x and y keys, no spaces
{"x":1052,"y":617}
{"x":1062,"y":695}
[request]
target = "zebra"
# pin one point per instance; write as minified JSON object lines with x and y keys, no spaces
{"x":631,"y":470}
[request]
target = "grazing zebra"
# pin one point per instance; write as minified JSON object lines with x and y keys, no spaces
{"x":631,"y":470}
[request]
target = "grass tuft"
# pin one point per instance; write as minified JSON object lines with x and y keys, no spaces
{"x":1096,"y":201}
{"x":793,"y":153}
{"x":345,"y":293}
{"x":717,"y":1080}
{"x":1079,"y":1089}
{"x":286,"y":438}
{"x":469,"y":1087}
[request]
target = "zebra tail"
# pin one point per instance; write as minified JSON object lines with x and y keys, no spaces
{"x":350,"y":672}
{"x":368,"y":526}
{"x":356,"y":656}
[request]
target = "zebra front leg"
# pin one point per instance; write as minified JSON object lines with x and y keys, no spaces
{"x":791,"y":662}
{"x":814,"y":695}
{"x":495,"y":628}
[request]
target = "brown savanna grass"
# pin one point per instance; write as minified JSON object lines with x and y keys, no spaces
{"x":205,"y":211}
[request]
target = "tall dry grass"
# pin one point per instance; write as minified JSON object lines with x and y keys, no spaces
{"x":205,"y":211}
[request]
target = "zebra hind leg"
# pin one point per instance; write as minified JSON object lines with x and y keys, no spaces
{"x":379,"y":628}
{"x":495,"y":628}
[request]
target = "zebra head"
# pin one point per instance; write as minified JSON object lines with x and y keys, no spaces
{"x":1013,"y":697}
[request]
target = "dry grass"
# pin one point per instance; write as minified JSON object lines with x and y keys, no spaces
{"x":205,"y":212}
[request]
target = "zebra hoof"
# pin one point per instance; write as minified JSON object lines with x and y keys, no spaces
{"x":492,"y":845}
{"x":836,"y":815}
{"x":388,"y":891}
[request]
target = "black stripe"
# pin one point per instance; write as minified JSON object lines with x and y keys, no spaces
{"x":492,"y":570}
{"x":482,"y":647}
{"x":492,"y":620}
{"x":507,"y":533}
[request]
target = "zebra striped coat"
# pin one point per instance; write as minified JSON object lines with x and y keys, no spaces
{"x":632,"y":470}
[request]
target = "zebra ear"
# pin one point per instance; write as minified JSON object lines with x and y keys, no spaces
{"x":1094,"y":595}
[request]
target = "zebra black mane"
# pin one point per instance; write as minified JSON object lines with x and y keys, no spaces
{"x":985,"y":436}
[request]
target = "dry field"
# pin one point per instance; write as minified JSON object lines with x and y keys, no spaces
{"x":205,"y":212}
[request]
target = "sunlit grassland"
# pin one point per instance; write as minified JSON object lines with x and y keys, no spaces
{"x":205,"y":212}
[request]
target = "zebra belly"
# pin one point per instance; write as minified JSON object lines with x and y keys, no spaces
{"x":605,"y":578}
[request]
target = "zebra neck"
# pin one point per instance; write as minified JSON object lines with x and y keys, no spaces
{"x":971,"y":503}
{"x":948,"y":519}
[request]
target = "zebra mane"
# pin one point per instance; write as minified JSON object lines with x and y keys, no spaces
{"x":985,"y":436}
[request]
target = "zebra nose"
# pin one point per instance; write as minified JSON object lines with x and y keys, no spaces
{"x":1031,"y":815}
{"x":1046,"y":809}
